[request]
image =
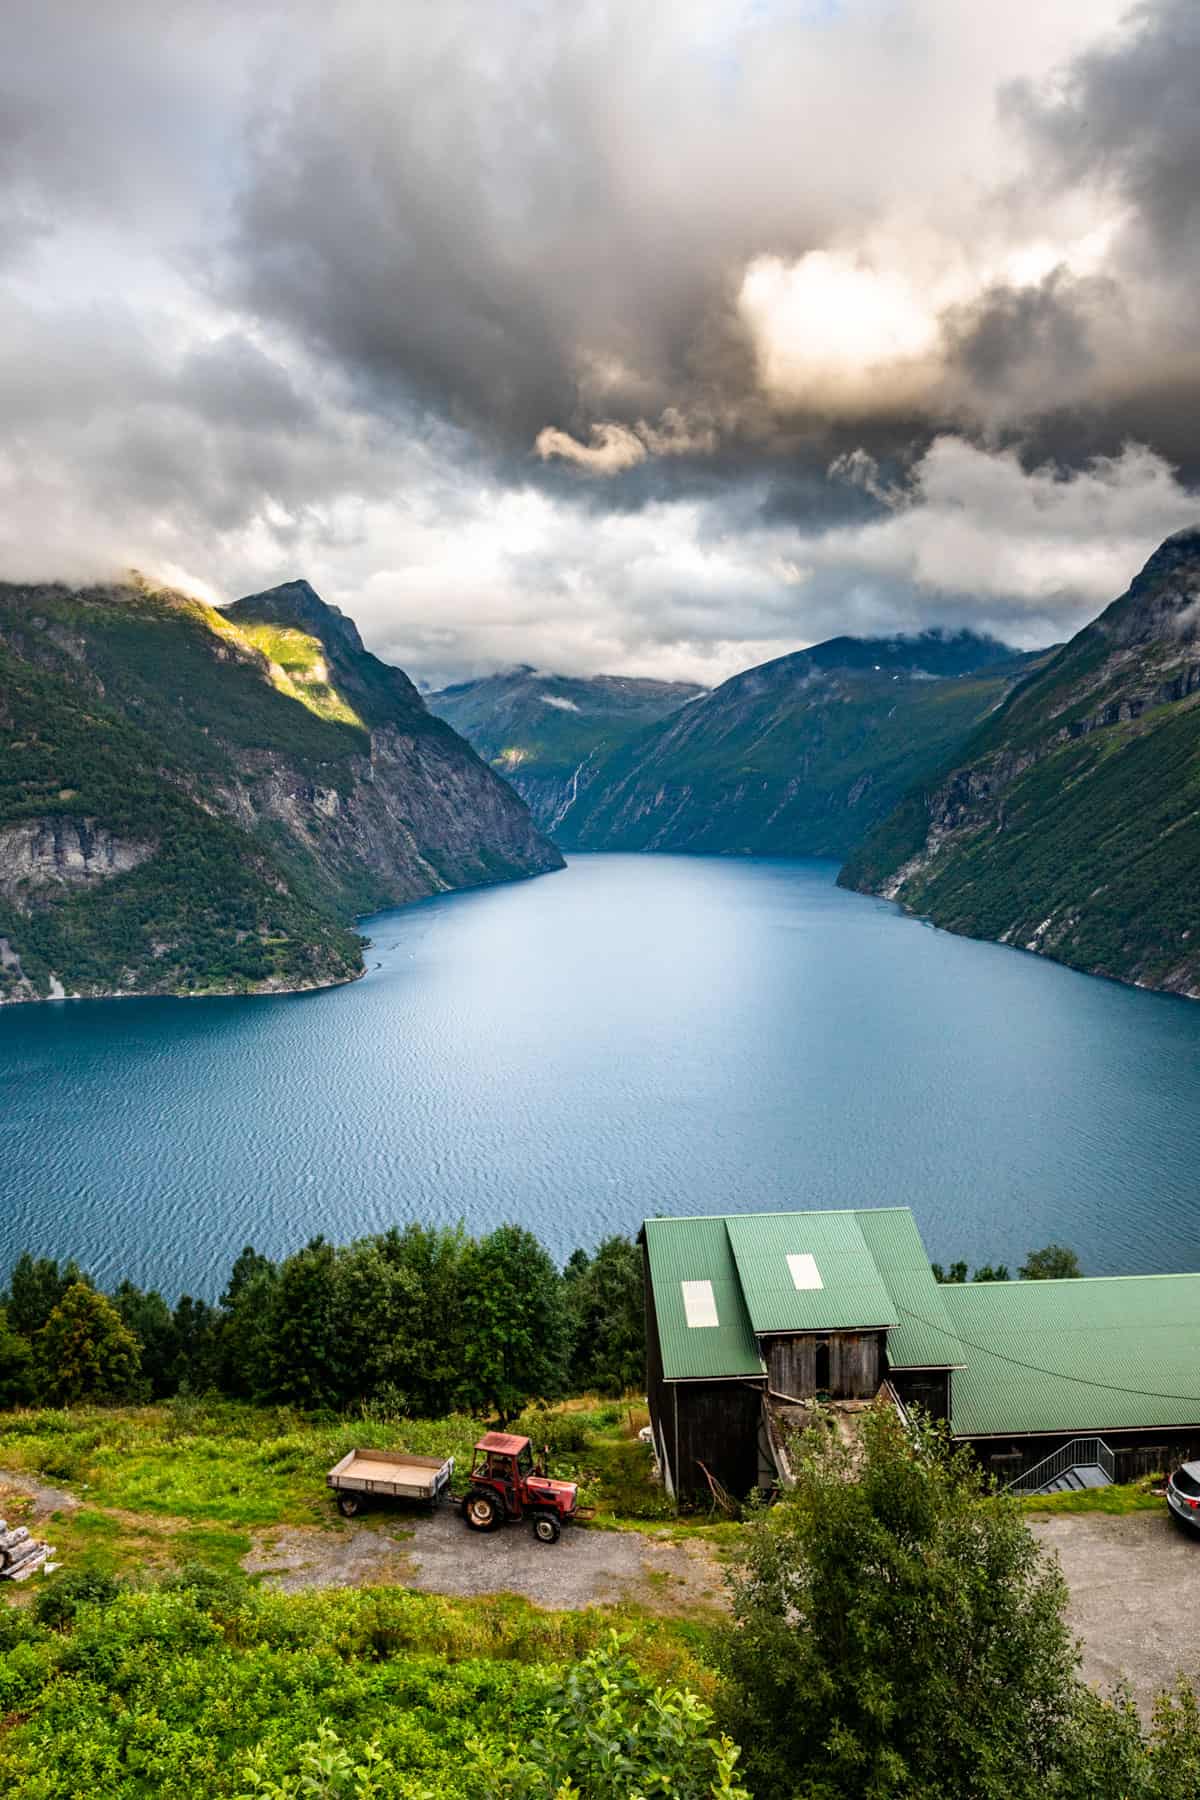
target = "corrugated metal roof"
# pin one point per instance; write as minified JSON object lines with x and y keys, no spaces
{"x":924,"y":1337}
{"x":682,"y":1250}
{"x":1097,"y":1353}
{"x":851,"y":1292}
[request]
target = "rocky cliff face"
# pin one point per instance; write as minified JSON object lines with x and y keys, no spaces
{"x":201,"y":801}
{"x":1070,"y":826}
{"x":63,"y":852}
{"x":417,"y":811}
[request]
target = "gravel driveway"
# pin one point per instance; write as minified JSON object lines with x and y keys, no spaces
{"x":437,"y":1552}
{"x":1135,"y":1596}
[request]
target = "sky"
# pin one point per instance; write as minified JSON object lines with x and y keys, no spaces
{"x":603,"y":337}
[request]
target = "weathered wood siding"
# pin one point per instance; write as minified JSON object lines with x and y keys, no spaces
{"x":852,"y":1360}
{"x":717,"y":1423}
{"x":1135,"y":1453}
{"x":657,"y":1390}
{"x":928,"y":1389}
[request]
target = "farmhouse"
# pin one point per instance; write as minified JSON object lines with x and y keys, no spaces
{"x":750,"y":1316}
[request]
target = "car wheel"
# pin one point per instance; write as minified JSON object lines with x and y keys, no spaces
{"x":350,"y":1505}
{"x":547,"y":1529}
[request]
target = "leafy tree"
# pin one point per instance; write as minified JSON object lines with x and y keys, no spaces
{"x":605,"y":1296}
{"x":517,"y":1337}
{"x":896,"y":1632}
{"x":304,"y":1356}
{"x":16,"y":1366}
{"x":196,"y":1328}
{"x":374,"y":1303}
{"x":35,"y":1288}
{"x":85,"y":1351}
{"x":610,"y":1735}
{"x":149,"y":1318}
{"x":437,"y":1264}
{"x":956,"y":1274}
{"x":1054,"y":1263}
{"x":242,"y":1349}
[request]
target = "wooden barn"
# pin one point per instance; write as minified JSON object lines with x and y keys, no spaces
{"x":1052,"y":1382}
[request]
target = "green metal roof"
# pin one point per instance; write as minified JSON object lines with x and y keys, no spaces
{"x":689,"y":1250}
{"x":807,"y":1271}
{"x":924,"y":1337}
{"x":1092,"y":1354}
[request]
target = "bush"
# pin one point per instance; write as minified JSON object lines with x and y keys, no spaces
{"x":58,"y":1604}
{"x":608,"y":1734}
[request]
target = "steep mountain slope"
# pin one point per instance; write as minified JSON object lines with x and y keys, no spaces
{"x":798,"y":756}
{"x":549,"y":734}
{"x":193,"y":800}
{"x":1070,"y":824}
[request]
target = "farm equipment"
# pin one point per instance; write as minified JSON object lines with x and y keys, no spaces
{"x":505,"y":1485}
{"x":366,"y":1475}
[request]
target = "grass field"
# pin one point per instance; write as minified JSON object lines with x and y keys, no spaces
{"x":192,"y":1480}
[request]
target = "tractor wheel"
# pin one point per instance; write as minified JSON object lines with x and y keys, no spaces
{"x":350,"y":1505}
{"x":482,"y":1512}
{"x":546,"y":1528}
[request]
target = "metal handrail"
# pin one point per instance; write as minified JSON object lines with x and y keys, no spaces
{"x":1079,"y":1453}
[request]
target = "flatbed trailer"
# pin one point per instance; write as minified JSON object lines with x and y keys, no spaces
{"x":366,"y":1475}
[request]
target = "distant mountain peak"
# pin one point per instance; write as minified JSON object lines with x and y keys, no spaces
{"x":1163,"y":601}
{"x":298,"y":604}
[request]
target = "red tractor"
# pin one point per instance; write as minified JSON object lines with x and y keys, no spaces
{"x":506,"y":1485}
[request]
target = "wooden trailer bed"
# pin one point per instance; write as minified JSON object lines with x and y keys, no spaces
{"x":391,"y":1475}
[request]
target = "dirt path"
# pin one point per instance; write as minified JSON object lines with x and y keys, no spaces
{"x":1135,"y":1596}
{"x":45,"y":1499}
{"x":438,"y":1554}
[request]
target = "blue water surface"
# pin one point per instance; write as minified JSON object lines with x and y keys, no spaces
{"x":636,"y":1035}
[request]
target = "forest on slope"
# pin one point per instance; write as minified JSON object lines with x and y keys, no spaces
{"x":1070,"y":823}
{"x":200,"y":801}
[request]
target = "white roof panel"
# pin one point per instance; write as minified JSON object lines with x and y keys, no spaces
{"x":699,"y":1304}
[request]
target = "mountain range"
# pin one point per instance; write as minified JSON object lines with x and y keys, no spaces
{"x":1069,"y":823}
{"x":200,"y":800}
{"x":797,"y":757}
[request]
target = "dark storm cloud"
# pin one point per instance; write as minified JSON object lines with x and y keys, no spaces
{"x":1128,"y":114}
{"x":603,"y":335}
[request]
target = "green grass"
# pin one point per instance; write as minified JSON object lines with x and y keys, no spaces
{"x":1133,"y":1498}
{"x":191,"y":1479}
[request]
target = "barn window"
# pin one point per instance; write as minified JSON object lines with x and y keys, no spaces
{"x":821,"y":1373}
{"x":804,"y":1272}
{"x":699,"y":1303}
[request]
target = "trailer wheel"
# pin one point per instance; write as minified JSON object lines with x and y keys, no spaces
{"x":482,"y":1512}
{"x":546,"y":1528}
{"x":350,"y":1505}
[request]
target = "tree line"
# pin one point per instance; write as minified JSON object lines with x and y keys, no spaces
{"x":427,"y":1320}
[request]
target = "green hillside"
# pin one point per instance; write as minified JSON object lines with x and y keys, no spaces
{"x":1071,"y":823}
{"x":196,"y":801}
{"x":549,"y":734}
{"x":798,"y":757}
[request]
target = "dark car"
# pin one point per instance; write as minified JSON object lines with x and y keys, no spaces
{"x":1183,"y":1493}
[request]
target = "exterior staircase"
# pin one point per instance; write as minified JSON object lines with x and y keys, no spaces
{"x":1083,"y":1475}
{"x":1083,"y":1463}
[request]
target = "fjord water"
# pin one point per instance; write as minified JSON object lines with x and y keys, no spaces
{"x":636,"y":1035}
